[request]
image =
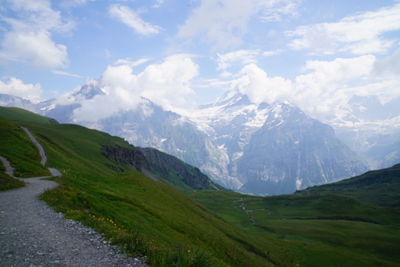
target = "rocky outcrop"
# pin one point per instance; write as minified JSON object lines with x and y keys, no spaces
{"x":132,"y":157}
{"x":160,"y":166}
{"x":178,"y":171}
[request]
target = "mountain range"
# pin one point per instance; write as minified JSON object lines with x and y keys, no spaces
{"x":267,"y":148}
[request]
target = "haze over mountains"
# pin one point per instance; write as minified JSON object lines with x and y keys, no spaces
{"x":254,"y":148}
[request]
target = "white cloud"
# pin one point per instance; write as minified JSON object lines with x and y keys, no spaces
{"x":222,"y":23}
{"x":132,"y":19}
{"x":36,"y":48}
{"x":241,"y":57}
{"x":16,"y":87}
{"x":326,"y":88}
{"x":29,"y":38}
{"x":359,"y":34}
{"x":259,"y":87}
{"x":166,"y":84}
{"x":66,"y":73}
{"x":131,"y":63}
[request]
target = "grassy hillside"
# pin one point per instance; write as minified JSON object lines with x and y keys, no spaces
{"x":21,"y":115}
{"x":338,"y":225}
{"x":381,"y":187}
{"x":146,"y":217}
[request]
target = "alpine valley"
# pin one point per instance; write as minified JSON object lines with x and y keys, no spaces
{"x":263,"y":149}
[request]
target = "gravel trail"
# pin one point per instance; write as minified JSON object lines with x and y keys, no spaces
{"x":38,"y":146}
{"x":32,"y":234}
{"x":9,"y":170}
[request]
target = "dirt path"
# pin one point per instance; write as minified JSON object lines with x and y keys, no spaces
{"x":32,"y":234}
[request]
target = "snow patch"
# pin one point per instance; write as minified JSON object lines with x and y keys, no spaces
{"x":48,"y":108}
{"x":298,"y":183}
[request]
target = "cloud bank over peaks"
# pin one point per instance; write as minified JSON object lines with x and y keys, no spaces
{"x":16,"y":87}
{"x":166,"y":84}
{"x":325,"y":88}
{"x":259,"y":87}
{"x":28,"y":38}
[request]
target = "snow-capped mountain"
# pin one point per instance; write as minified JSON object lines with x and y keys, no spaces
{"x":256,"y":148}
{"x":275,"y":148}
{"x":292,"y":151}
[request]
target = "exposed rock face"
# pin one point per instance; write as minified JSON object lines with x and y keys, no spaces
{"x":292,"y":151}
{"x":160,"y":166}
{"x":166,"y":165}
{"x":132,"y":157}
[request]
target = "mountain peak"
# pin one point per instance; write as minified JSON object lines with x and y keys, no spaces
{"x":229,"y":99}
{"x":233,"y":98}
{"x":88,"y":91}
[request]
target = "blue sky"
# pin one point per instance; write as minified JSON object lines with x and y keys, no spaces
{"x":189,"y":52}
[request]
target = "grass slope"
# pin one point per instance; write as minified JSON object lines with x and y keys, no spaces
{"x":145,"y":217}
{"x":381,"y":187}
{"x":21,"y":115}
{"x":7,"y":182}
{"x":337,"y":226}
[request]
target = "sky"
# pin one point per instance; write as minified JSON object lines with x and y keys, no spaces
{"x":317,"y":55}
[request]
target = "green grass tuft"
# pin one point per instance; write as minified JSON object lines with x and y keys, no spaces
{"x":7,"y":182}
